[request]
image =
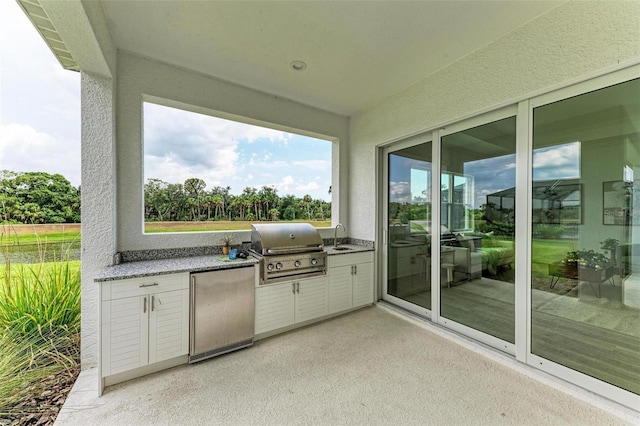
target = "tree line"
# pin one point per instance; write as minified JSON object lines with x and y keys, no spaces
{"x":191,"y":201}
{"x":38,"y":197}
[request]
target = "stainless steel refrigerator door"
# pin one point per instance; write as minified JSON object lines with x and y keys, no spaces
{"x":222,"y":308}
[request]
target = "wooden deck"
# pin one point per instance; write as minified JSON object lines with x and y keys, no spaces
{"x":591,"y":346}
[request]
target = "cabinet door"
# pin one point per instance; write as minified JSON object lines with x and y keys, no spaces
{"x":168,"y":325}
{"x":125,"y":334}
{"x":312,"y":299}
{"x":274,"y":307}
{"x":340,"y":292}
{"x":363,"y":284}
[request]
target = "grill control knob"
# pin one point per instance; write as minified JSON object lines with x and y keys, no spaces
{"x":296,"y":263}
{"x":314,"y":261}
{"x":278,"y":265}
{"x":270,"y":267}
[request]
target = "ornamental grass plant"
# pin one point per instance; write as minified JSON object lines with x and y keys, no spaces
{"x":39,"y":338}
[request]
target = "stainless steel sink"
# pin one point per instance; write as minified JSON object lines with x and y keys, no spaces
{"x":341,"y":248}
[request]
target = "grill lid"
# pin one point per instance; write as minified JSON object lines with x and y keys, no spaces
{"x":283,"y":238}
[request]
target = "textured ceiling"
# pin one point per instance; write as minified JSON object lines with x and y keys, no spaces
{"x":357,"y":53}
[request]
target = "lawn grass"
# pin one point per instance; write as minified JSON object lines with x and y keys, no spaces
{"x":547,"y":251}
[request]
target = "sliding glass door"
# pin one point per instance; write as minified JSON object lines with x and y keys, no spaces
{"x":477,"y":241}
{"x":408,"y":244}
{"x":534,"y":215}
{"x":585,"y":244}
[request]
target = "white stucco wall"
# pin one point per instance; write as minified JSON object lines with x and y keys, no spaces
{"x":573,"y":41}
{"x":98,"y":202}
{"x":139,"y":77}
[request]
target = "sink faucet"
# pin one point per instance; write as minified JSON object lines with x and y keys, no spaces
{"x":335,"y":234}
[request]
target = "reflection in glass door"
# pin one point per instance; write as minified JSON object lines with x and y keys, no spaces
{"x":409,"y":216}
{"x":585,"y":244}
{"x":477,"y":253}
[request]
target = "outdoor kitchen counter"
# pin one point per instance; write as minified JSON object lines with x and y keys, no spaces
{"x":147,"y":268}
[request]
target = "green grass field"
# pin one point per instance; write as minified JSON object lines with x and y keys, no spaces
{"x":38,"y":234}
{"x":544,"y":252}
{"x":70,"y":233}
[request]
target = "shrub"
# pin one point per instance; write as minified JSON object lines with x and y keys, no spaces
{"x":40,"y":295}
{"x":39,"y":332}
{"x":549,"y":232}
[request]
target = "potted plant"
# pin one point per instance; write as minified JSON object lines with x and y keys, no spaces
{"x":226,"y":242}
{"x":610,"y":245}
{"x":586,"y":259}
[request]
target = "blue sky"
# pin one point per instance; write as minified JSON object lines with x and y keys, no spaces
{"x":40,"y":129}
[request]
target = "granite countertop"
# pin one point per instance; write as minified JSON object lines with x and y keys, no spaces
{"x":147,"y":268}
{"x":174,"y":265}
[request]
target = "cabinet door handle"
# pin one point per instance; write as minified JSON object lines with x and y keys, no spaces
{"x":148,"y":285}
{"x":144,"y":308}
{"x":298,"y":287}
{"x":355,"y":269}
{"x":153,"y":303}
{"x":293,"y":286}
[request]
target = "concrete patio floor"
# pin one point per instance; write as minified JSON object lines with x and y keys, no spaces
{"x":373,"y":366}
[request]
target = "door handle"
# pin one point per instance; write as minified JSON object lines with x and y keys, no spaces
{"x":293,"y":286}
{"x":153,"y":303}
{"x":355,"y":269}
{"x":298,"y":287}
{"x":148,"y":285}
{"x":144,"y":307}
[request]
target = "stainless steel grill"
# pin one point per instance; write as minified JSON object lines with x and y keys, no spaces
{"x":288,"y":251}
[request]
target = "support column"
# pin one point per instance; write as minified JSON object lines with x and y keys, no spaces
{"x":98,"y":203}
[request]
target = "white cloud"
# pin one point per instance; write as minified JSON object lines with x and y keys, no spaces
{"x":310,"y":186}
{"x":557,"y":162}
{"x":313,"y":164}
{"x":24,"y":149}
{"x":284,"y":186}
{"x":400,"y":192}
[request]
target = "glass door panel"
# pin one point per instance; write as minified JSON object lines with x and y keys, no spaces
{"x":585,"y":249}
{"x":409,"y":213}
{"x":477,"y":242}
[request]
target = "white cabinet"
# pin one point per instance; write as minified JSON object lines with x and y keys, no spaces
{"x":284,"y":304}
{"x":275,"y":306}
{"x":144,"y":321}
{"x":405,"y":260}
{"x":350,"y":281}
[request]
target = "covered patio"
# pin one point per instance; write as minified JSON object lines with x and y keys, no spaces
{"x":372,"y":79}
{"x":372,"y":366}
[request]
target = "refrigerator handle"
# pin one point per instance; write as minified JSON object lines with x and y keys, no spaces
{"x":192,"y":322}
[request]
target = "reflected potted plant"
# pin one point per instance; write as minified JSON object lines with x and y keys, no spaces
{"x":586,"y":259}
{"x":226,"y":242}
{"x":610,"y":245}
